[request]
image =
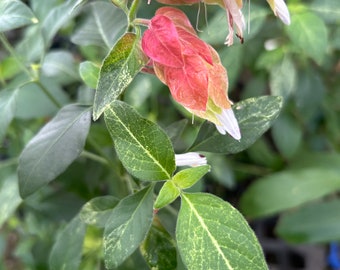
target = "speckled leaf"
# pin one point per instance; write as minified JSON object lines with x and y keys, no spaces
{"x":211,"y":234}
{"x":254,"y":115}
{"x":144,"y":149}
{"x":159,"y":249}
{"x":67,"y":250}
{"x":127,"y":227}
{"x":14,"y":14}
{"x":285,"y":190}
{"x":120,"y":66}
{"x":98,"y":210}
{"x":54,"y":148}
{"x":168,"y":193}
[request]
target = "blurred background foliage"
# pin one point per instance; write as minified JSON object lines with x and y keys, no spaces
{"x":292,"y":173}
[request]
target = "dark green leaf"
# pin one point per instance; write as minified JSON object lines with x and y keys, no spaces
{"x":159,"y":249}
{"x":14,"y":14}
{"x":103,"y":26}
{"x":168,"y":193}
{"x":120,"y":66}
{"x":7,"y":109}
{"x":9,"y":197}
{"x":144,"y":149}
{"x":54,"y":148}
{"x":254,"y":115}
{"x":89,"y":73}
{"x":314,"y":223}
{"x":127,"y":227}
{"x":288,"y":189}
{"x":67,"y":250}
{"x":309,"y":33}
{"x":328,"y":10}
{"x":97,"y":211}
{"x":211,"y":234}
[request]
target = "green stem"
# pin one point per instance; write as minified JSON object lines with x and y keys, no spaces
{"x":10,"y":49}
{"x":132,"y":13}
{"x":94,"y":157}
{"x":48,"y":94}
{"x":9,"y":162}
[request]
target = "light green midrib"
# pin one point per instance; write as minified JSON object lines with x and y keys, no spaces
{"x":138,"y":143}
{"x":204,"y":226}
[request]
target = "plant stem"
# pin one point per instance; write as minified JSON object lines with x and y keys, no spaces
{"x":132,"y":13}
{"x":10,"y":49}
{"x":94,"y":157}
{"x":48,"y":94}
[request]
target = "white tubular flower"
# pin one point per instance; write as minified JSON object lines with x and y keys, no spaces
{"x":191,"y":159}
{"x":229,"y":124}
{"x":280,"y":10}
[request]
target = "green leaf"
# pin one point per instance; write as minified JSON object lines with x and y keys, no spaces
{"x":54,"y":148}
{"x":188,"y":177}
{"x":127,"y":227}
{"x":67,"y":250}
{"x":97,"y":211}
{"x":120,"y":66}
{"x":287,"y":135}
{"x":328,"y":10}
{"x":168,"y":193}
{"x":89,"y":73}
{"x":254,"y":115}
{"x":61,"y":66}
{"x":7,"y":109}
{"x":159,"y":249}
{"x":9,"y":67}
{"x":15,"y":14}
{"x":283,"y":78}
{"x":144,"y":149}
{"x":314,"y":223}
{"x":211,"y":234}
{"x":284,"y":190}
{"x":309,"y":33}
{"x":9,"y":197}
{"x":103,"y":26}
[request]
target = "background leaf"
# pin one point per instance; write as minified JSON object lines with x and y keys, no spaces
{"x":143,"y":148}
{"x":254,"y":115}
{"x":54,"y":148}
{"x":97,"y":211}
{"x":89,"y":73}
{"x":211,"y":234}
{"x":309,"y":33}
{"x":7,"y":109}
{"x":67,"y":250}
{"x":127,"y":227}
{"x":14,"y":14}
{"x":120,"y":66}
{"x":288,"y":189}
{"x":103,"y":26}
{"x":314,"y":223}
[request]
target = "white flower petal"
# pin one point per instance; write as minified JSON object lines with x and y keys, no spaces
{"x":192,"y":159}
{"x":280,"y":9}
{"x":229,"y":124}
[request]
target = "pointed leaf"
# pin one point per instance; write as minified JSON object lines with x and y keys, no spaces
{"x":9,"y":197}
{"x":89,"y":73}
{"x":120,"y":66}
{"x":54,"y":148}
{"x":14,"y":14}
{"x":254,"y":115}
{"x":7,"y":109}
{"x":159,"y":249}
{"x":102,"y":27}
{"x":97,"y":211}
{"x":67,"y":250}
{"x":127,"y":227}
{"x":327,"y":10}
{"x":188,"y":177}
{"x":288,"y":189}
{"x":309,"y":33}
{"x":211,"y":234}
{"x":144,"y":149}
{"x":313,"y":223}
{"x":168,"y":193}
